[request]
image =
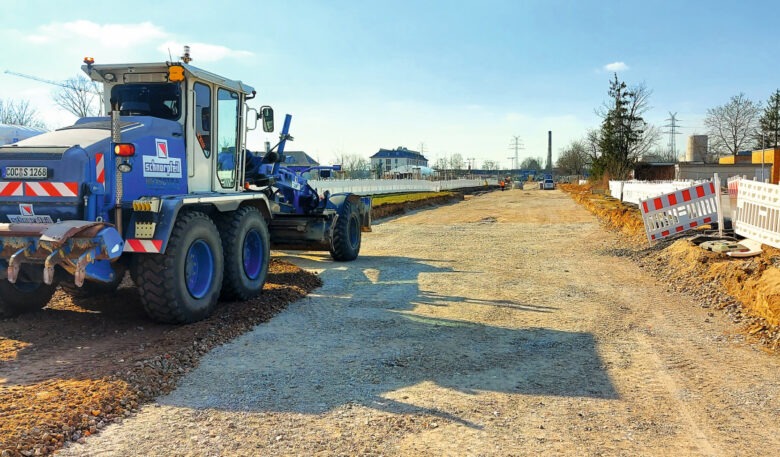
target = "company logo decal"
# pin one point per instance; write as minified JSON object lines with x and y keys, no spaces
{"x":155,"y":167}
{"x":162,"y":148}
{"x":27,"y":216}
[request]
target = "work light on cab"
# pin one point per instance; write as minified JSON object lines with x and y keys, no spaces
{"x":124,"y":149}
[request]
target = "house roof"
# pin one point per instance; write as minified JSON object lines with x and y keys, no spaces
{"x":299,"y":159}
{"x":398,"y":153}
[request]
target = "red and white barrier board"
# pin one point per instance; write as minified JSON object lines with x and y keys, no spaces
{"x":681,"y":210}
{"x":733,"y":185}
{"x":758,"y":212}
{"x":39,"y":189}
{"x":147,"y":246}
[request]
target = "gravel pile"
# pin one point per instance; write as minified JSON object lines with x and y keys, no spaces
{"x":73,"y":368}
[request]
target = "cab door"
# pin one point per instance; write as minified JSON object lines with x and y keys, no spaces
{"x":228,"y":144}
{"x":200,"y":138}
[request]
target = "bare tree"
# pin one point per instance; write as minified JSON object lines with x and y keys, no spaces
{"x":531,"y":164}
{"x":19,"y":113}
{"x":354,"y":165}
{"x":456,"y":162}
{"x":647,"y":142}
{"x":573,"y":159}
{"x":490,"y":165}
{"x":78,"y":96}
{"x":441,"y":164}
{"x":731,"y":126}
{"x":660,"y":155}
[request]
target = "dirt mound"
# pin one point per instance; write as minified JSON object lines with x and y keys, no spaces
{"x":72,"y":368}
{"x":618,"y":216}
{"x":748,"y":289}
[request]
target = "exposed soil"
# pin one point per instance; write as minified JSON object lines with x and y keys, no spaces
{"x":507,"y":324}
{"x":510,"y":323}
{"x":72,"y":368}
{"x":747,"y":289}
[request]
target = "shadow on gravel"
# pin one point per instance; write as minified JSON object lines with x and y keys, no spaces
{"x":358,"y":340}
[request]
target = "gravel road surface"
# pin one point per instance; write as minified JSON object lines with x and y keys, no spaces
{"x":497,"y":326}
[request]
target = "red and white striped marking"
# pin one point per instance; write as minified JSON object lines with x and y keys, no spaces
{"x":11,"y":189}
{"x":100,"y":168}
{"x":733,"y":184}
{"x":678,"y":211}
{"x":147,"y":246}
{"x":51,"y":189}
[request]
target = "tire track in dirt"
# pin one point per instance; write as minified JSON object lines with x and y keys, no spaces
{"x":497,"y":326}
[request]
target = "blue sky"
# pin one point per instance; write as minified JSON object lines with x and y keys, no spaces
{"x":457,"y":76}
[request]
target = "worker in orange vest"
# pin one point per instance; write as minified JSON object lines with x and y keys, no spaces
{"x":501,"y":184}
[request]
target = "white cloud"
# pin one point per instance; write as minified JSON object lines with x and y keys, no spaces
{"x":203,"y":52}
{"x":106,"y":35}
{"x":616,"y":66}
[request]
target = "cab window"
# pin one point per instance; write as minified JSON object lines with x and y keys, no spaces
{"x":161,"y":100}
{"x":227,"y":139}
{"x":203,"y":117}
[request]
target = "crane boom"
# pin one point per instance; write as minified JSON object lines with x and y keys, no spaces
{"x":47,"y":81}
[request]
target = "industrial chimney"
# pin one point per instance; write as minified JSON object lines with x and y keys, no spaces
{"x":549,"y":151}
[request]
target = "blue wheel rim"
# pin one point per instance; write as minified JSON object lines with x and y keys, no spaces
{"x":199,"y":269}
{"x":253,"y":255}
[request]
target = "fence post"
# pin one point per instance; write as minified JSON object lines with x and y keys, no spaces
{"x":716,"y":179}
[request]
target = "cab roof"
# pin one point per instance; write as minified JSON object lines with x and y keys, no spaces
{"x":99,"y":71}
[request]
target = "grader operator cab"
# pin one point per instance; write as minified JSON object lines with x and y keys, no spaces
{"x":163,"y":187}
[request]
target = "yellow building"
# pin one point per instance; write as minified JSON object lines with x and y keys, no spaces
{"x":770,"y":157}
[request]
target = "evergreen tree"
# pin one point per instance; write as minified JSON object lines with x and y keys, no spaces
{"x":769,"y":123}
{"x":622,"y":131}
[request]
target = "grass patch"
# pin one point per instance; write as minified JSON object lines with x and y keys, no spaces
{"x":387,"y":199}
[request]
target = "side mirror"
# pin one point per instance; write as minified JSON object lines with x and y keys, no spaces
{"x":267,"y":113}
{"x":324,"y":173}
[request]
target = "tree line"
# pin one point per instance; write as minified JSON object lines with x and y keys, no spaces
{"x":624,"y":137}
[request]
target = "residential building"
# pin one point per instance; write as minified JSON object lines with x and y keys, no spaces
{"x":298,"y":160}
{"x":387,"y":160}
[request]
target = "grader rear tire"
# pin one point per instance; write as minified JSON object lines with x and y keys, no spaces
{"x":246,"y":244}
{"x":182,"y":285}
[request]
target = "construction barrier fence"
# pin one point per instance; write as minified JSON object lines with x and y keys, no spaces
{"x":758,"y":212}
{"x":685,"y":209}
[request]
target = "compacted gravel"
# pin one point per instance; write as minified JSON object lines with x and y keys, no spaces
{"x":508,"y":324}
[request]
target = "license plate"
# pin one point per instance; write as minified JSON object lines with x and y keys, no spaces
{"x":25,"y":173}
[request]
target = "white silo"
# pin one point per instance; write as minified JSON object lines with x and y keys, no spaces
{"x":697,"y":148}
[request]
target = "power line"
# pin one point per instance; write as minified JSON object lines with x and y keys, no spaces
{"x":673,"y":126}
{"x":516,"y":144}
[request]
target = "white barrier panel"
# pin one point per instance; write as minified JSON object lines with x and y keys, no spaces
{"x":389,"y":186}
{"x":635,"y":191}
{"x":758,"y":212}
{"x":616,"y":189}
{"x":678,"y":211}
